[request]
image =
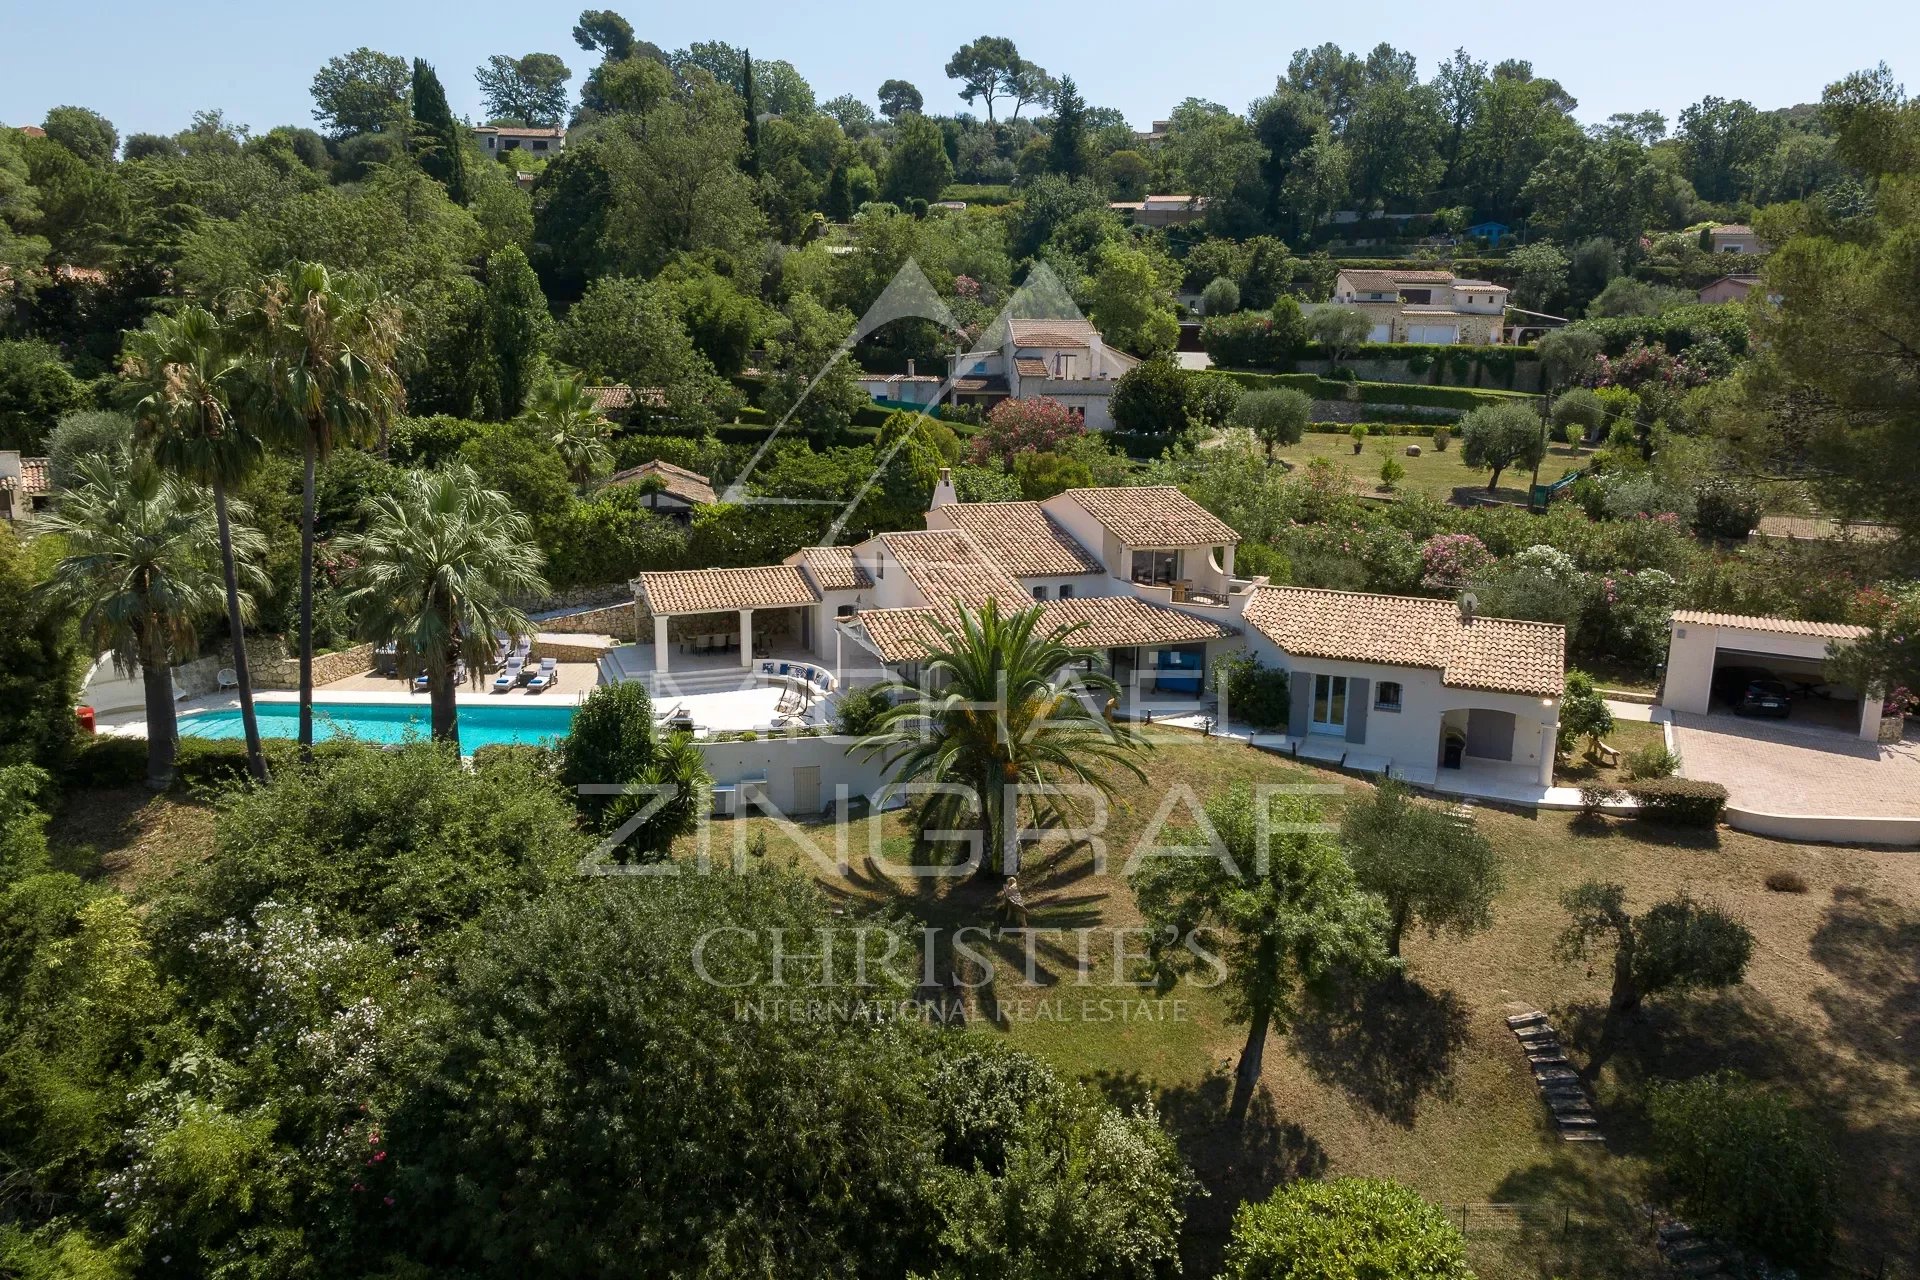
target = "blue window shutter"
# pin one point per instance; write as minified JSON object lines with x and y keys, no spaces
{"x":1357,"y":704}
{"x":1300,"y":687}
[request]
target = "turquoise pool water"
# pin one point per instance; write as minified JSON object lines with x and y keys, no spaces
{"x":481,"y":725}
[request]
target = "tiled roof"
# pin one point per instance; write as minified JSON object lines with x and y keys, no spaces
{"x":688,"y":486}
{"x":1103,"y":622}
{"x":717,"y":590}
{"x":1820,"y":529}
{"x":1779,"y":626}
{"x":946,"y":565}
{"x":1030,"y":366}
{"x":33,"y":478}
{"x":1118,"y":621}
{"x":1733,"y":229}
{"x":616,"y":396}
{"x":522,"y":131}
{"x":833,"y":568}
{"x":1156,"y":515}
{"x":1373,"y":281}
{"x":1052,"y":333}
{"x":33,"y":131}
{"x":977,"y":382}
{"x":1022,"y":538}
{"x":1500,"y":655}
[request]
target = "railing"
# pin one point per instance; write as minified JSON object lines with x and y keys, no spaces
{"x":1542,"y":494}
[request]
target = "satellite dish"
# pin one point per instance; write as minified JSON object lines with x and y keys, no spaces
{"x":1469,"y":604}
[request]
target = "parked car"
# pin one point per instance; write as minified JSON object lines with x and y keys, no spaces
{"x":1767,"y":697}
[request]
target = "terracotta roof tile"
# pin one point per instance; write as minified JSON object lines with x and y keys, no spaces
{"x":688,"y":486}
{"x":1030,"y":366}
{"x":981,"y":383}
{"x":833,"y":568}
{"x":34,"y":478}
{"x":1499,"y":655}
{"x":1733,"y":229}
{"x":1778,"y":626}
{"x":1052,"y":333}
{"x":717,"y":590}
{"x":1156,"y":515}
{"x":618,"y":396}
{"x":1102,"y":622}
{"x":947,"y":565}
{"x":1022,"y":538}
{"x":1375,"y":281}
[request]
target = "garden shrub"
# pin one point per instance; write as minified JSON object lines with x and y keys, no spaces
{"x":613,"y":740}
{"x":1253,"y":694}
{"x":1644,"y":764}
{"x":1725,"y":508}
{"x":1680,"y":802}
{"x":857,"y":712}
{"x":1786,"y":882}
{"x":1744,"y":1165}
{"x":109,"y":761}
{"x":1441,"y":436}
{"x":1595,"y":795}
{"x":1344,"y":1229}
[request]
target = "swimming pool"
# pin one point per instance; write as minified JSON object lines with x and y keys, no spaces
{"x":481,"y":725}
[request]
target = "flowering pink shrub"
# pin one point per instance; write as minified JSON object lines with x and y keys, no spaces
{"x":966,"y":286}
{"x":1039,"y":425}
{"x":1452,"y":559}
{"x":1641,"y":365}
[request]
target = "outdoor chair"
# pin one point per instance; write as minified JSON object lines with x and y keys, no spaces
{"x":543,"y":678}
{"x":509,"y":676}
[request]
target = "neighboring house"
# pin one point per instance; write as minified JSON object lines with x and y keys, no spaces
{"x":1729,"y":288}
{"x":1065,"y":360}
{"x":910,"y":388}
{"x":1162,"y":211}
{"x":1419,"y":687}
{"x":1155,"y":136}
{"x":1494,"y":233}
{"x":33,"y":131}
{"x":1411,"y":685}
{"x":616,"y":400}
{"x":1734,"y":238}
{"x":1424,"y":306}
{"x":501,"y":138}
{"x":677,"y":492}
{"x":24,"y":486}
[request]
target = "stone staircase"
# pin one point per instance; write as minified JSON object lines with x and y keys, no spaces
{"x":1688,"y":1253}
{"x":1559,"y":1083}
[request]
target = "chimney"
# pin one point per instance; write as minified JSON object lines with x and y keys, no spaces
{"x":909,"y":368}
{"x":943,"y":493}
{"x":1468,"y":604}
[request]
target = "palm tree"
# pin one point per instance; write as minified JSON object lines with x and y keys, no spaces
{"x":325,"y":353}
{"x":140,"y":575}
{"x":562,"y":410}
{"x":190,"y":378}
{"x":1001,"y":725}
{"x":436,"y":569}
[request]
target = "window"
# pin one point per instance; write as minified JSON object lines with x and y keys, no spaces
{"x":1329,"y":704}
{"x":844,"y":611}
{"x":1156,"y":568}
{"x":879,"y":567}
{"x":1386,"y":695}
{"x":539,"y":146}
{"x":1066,"y":591}
{"x":1040,"y":593}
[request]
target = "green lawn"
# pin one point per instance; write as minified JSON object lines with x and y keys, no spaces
{"x":1435,"y":472}
{"x":1430,"y":1087}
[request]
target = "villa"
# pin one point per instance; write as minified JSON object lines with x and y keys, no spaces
{"x":498,"y":139}
{"x":1420,"y":688}
{"x":24,"y":485}
{"x":1065,"y":360}
{"x":1424,"y":306}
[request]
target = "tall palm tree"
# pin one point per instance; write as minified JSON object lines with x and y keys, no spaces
{"x":562,"y":410}
{"x":140,"y":574}
{"x":436,"y":570}
{"x":190,"y":379}
{"x":325,"y":351}
{"x":1002,"y":724}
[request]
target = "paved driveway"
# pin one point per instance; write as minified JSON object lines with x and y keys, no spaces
{"x":1771,"y":766}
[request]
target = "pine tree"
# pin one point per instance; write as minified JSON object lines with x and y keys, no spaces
{"x":443,"y":153}
{"x":753,"y":121}
{"x":839,"y":199}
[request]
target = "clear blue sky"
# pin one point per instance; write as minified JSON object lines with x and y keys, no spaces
{"x":148,"y":66}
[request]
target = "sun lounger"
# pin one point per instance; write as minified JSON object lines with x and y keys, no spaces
{"x":543,"y":678}
{"x":509,"y":676}
{"x":420,"y":682}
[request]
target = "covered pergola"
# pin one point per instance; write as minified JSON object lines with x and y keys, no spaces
{"x":737,"y":592}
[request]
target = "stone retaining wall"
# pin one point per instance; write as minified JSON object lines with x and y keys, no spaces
{"x":560,"y":651}
{"x":284,"y":672}
{"x":614,"y":620}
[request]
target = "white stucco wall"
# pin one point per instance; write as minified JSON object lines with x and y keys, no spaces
{"x":1692,"y":650}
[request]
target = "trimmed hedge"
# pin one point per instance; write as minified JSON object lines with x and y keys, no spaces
{"x":1675,"y":329}
{"x":1681,"y":802}
{"x":1410,"y":393}
{"x":115,"y":761}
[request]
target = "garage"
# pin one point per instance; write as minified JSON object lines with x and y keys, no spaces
{"x":1763,"y":667}
{"x":1436,"y":334}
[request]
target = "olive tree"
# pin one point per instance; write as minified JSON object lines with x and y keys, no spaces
{"x":1500,"y":436}
{"x":1277,"y":416}
{"x":1427,"y":864}
{"x":1671,"y":948}
{"x":1339,"y":330}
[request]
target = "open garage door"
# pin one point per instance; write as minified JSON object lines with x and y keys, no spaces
{"x":1811,"y":699}
{"x":1709,"y":655}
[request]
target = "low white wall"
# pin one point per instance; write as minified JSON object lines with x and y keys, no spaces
{"x":1824,"y":829}
{"x":777,"y":757}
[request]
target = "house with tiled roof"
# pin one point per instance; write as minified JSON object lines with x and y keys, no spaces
{"x":1423,"y":306}
{"x":1413,"y":686}
{"x":1734,"y":237}
{"x":498,"y":139}
{"x":1173,"y":210}
{"x":1064,"y":360}
{"x":24,"y":485}
{"x":670,"y":490}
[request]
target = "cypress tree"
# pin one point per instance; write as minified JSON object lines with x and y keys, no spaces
{"x":753,"y":121}
{"x":444,"y":155}
{"x":519,"y":326}
{"x":1066,"y":146}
